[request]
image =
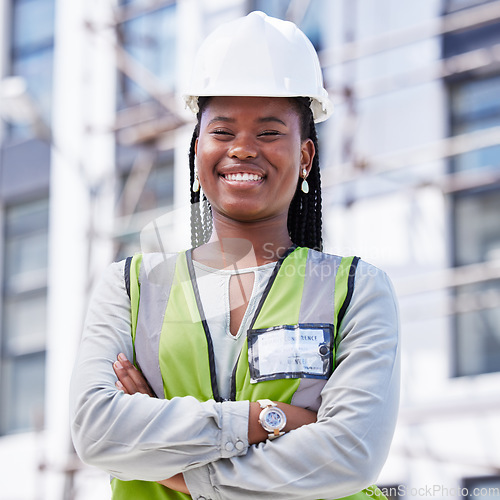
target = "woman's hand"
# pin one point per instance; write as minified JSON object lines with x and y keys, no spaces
{"x":130,"y":379}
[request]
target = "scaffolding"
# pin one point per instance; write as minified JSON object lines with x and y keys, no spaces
{"x":348,"y":93}
{"x":159,"y":117}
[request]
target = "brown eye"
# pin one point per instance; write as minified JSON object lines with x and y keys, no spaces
{"x":221,"y":132}
{"x":270,"y":135}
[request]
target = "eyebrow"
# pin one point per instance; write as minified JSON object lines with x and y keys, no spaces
{"x":264,"y":119}
{"x":221,"y":119}
{"x":267,"y":119}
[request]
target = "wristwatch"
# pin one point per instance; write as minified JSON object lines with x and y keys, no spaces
{"x":272,"y":418}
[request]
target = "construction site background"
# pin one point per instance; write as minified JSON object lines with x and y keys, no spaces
{"x":93,"y":167}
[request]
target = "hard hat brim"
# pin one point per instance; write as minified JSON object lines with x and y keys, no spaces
{"x":321,"y":107}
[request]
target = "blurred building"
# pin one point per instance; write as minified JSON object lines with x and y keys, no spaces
{"x":93,"y":148}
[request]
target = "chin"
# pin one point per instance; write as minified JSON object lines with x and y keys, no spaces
{"x":244,"y":215}
{"x":240,"y":209}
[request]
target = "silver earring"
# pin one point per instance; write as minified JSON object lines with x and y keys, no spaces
{"x":305,"y":186}
{"x":196,"y":183}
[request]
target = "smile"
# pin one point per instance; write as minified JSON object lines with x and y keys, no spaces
{"x":242,"y":177}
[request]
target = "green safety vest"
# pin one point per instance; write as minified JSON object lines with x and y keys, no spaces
{"x":300,"y":291}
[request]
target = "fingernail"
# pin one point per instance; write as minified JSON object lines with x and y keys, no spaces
{"x":122,"y":356}
{"x":119,"y":385}
{"x":118,"y":365}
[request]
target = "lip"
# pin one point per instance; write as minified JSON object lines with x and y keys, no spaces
{"x":241,"y":168}
{"x":241,"y":183}
{"x":242,"y":175}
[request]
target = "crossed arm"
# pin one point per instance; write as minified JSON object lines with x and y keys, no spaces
{"x":131,"y":381}
{"x":140,"y":437}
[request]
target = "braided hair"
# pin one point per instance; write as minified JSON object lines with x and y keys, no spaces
{"x":304,"y":215}
{"x":201,"y":213}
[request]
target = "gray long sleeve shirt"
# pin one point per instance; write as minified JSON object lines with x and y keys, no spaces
{"x":138,"y":437}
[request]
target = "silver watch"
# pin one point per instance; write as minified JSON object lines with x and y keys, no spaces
{"x":272,"y":418}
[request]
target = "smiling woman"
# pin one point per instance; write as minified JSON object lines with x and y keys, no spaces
{"x":250,"y":157}
{"x":264,"y":368}
{"x":276,"y":126}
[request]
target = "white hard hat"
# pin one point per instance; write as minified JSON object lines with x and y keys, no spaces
{"x":260,"y":56}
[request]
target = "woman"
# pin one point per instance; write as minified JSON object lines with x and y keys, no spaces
{"x":275,"y":366}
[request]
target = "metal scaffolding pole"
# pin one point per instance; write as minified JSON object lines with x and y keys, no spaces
{"x":470,"y":18}
{"x":474,"y":60}
{"x":426,"y":153}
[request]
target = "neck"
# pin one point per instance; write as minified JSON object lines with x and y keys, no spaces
{"x":245,"y":244}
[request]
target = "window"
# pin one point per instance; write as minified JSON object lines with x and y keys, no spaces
{"x":32,"y":54}
{"x":159,"y":188}
{"x":157,"y":193}
{"x":393,"y":492}
{"x":274,"y":8}
{"x":149,"y":36}
{"x":23,"y":332}
{"x":150,"y":39}
{"x":454,"y":5}
{"x":477,"y":239}
{"x":479,"y":488}
{"x":475,"y":105}
{"x":310,"y":21}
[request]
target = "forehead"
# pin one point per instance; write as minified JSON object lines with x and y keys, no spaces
{"x":251,"y":109}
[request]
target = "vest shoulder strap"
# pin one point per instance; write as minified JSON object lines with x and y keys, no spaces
{"x":148,"y":279}
{"x":344,"y":288}
{"x":132,"y":284}
{"x":126,"y":274}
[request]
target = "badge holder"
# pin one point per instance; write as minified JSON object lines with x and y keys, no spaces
{"x":291,"y":351}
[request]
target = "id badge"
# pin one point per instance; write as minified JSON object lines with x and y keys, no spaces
{"x":291,"y":351}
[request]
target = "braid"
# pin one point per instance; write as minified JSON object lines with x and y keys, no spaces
{"x":201,"y":211}
{"x":207,"y":219}
{"x":196,"y":220}
{"x":315,"y":202}
{"x":304,"y":215}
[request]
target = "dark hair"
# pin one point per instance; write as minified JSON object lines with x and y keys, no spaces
{"x":304,"y":215}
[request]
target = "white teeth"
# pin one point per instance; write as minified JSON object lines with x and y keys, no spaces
{"x":243,"y":177}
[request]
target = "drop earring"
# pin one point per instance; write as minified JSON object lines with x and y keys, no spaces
{"x":305,"y":186}
{"x":196,"y":183}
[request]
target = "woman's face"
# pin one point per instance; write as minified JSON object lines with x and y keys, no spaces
{"x":249,"y":156}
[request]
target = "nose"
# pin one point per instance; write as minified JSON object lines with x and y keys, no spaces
{"x":242,"y":147}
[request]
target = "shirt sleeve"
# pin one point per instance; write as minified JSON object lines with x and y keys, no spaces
{"x":136,"y":436}
{"x":344,"y":451}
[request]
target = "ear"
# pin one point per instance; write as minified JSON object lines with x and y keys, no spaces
{"x":196,"y":147}
{"x":307,"y":152}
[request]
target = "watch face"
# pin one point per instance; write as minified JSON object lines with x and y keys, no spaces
{"x":272,"y":419}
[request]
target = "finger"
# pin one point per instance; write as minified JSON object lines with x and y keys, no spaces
{"x":132,"y":378}
{"x":121,"y":387}
{"x":126,"y":381}
{"x":135,"y":375}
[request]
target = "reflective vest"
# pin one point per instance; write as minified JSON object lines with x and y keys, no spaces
{"x":307,"y":288}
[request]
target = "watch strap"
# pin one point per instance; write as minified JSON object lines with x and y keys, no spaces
{"x":265,"y":403}
{"x":274,"y":435}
